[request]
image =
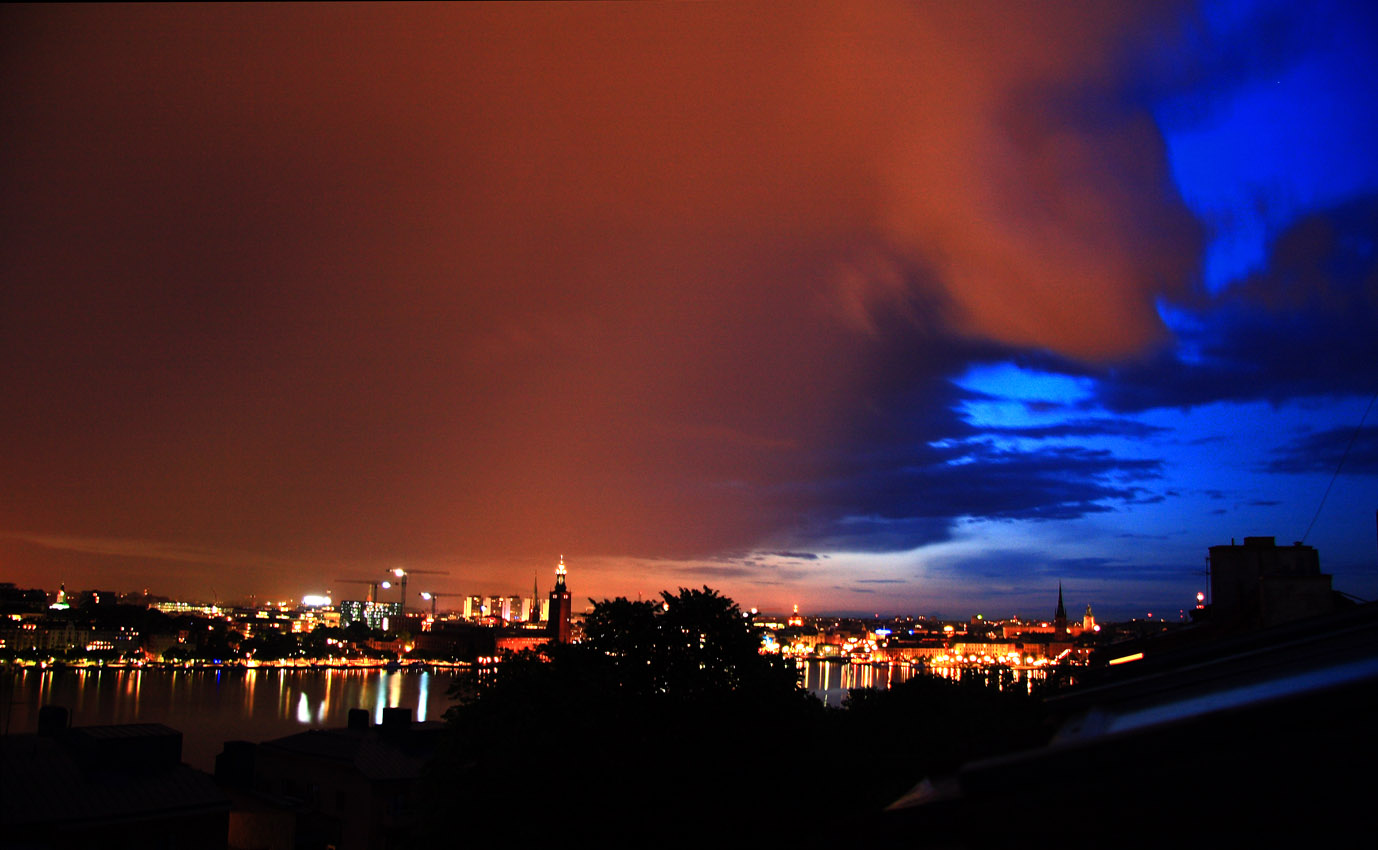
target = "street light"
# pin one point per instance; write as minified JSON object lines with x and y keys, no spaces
{"x":402,"y":574}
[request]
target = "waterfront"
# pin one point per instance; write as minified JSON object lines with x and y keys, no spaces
{"x":211,"y":706}
{"x":830,"y":680}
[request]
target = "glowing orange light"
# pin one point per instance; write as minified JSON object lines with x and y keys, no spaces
{"x":1125,"y":659}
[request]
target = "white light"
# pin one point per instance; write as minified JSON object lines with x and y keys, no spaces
{"x":314,"y":600}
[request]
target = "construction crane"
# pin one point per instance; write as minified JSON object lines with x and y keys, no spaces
{"x":432,"y":597}
{"x":372,"y":586}
{"x":403,"y":573}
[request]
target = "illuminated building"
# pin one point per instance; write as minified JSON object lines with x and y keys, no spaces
{"x":375,"y":615}
{"x":497,"y":606}
{"x":518,"y":638}
{"x":473,"y":607}
{"x":176,"y":608}
{"x":509,"y":608}
{"x":559,"y":606}
{"x":1059,"y":629}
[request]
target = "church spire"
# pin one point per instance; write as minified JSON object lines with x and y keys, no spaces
{"x":1060,"y":618}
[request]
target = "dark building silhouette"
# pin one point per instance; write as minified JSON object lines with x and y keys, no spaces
{"x":1261,"y":584}
{"x":1252,"y":726}
{"x":461,"y":641}
{"x":14,"y":600}
{"x":352,"y":789}
{"x":560,"y":606}
{"x":121,"y":786}
{"x":1253,"y":738}
{"x":1060,"y":615}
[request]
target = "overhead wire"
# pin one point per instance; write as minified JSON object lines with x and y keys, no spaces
{"x":1352,"y":437}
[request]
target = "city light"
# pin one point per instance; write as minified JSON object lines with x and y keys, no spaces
{"x":1125,"y":659}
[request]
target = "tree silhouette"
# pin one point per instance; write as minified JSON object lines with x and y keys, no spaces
{"x":625,"y":633}
{"x":692,"y":644}
{"x":667,"y":726}
{"x":638,"y":725}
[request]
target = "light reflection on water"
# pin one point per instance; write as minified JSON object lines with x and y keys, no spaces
{"x":1004,"y":678}
{"x":210,"y":707}
{"x":831,"y":680}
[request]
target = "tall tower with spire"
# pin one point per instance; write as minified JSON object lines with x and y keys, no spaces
{"x":559,"y":606}
{"x":1060,"y":618}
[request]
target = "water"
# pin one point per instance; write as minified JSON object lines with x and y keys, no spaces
{"x":1003,"y":678}
{"x":210,"y":707}
{"x":830,"y":680}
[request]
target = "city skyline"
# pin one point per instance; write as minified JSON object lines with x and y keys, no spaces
{"x":885,"y":308}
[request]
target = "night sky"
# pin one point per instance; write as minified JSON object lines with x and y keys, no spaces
{"x":866,"y":307}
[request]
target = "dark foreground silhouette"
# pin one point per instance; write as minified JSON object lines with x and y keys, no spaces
{"x":667,"y":725}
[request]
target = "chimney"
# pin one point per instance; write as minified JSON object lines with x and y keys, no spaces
{"x":358,"y":720}
{"x":396,"y":721}
{"x":234,"y":766}
{"x":52,"y":721}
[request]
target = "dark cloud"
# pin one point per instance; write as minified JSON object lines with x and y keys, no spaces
{"x":1073,"y":567}
{"x":1148,"y":499}
{"x":906,"y":508}
{"x":984,"y":481}
{"x":1322,"y":451}
{"x":719,"y":572}
{"x":996,"y":564}
{"x":1303,"y":329}
{"x":1099,"y":427}
{"x":1261,"y":42}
